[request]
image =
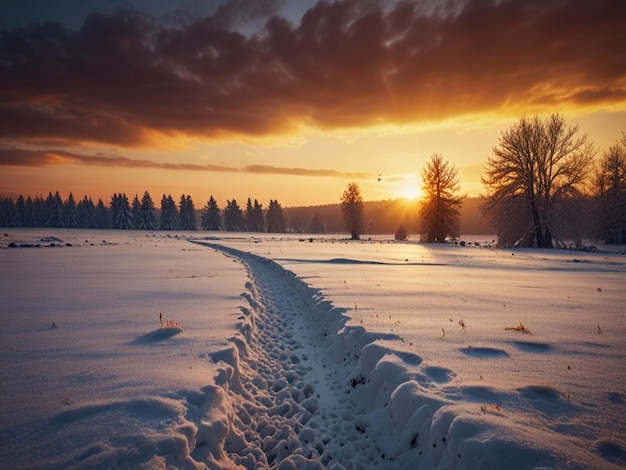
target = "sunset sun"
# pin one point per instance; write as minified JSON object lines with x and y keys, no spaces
{"x":409,"y":192}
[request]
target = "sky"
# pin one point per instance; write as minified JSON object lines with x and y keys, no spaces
{"x":290,"y":100}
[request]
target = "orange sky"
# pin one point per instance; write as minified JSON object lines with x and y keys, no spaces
{"x":255,"y":99}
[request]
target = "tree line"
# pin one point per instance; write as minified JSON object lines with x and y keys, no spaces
{"x":544,"y":188}
{"x":140,"y":214}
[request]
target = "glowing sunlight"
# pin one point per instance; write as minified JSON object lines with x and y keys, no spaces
{"x":410,"y":192}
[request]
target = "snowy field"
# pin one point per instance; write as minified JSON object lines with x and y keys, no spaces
{"x":290,"y":353}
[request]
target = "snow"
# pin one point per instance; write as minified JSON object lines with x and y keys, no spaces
{"x":298,"y":353}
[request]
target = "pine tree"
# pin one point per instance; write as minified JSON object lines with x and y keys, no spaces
{"x":145,"y":216}
{"x":352,"y":209}
{"x":211,"y":216}
{"x":134,"y":210}
{"x":187,"y":218}
{"x":69,"y":212}
{"x":37,"y":216}
{"x":257,"y":217}
{"x":9,"y":216}
{"x":249,"y":216}
{"x":169,"y":214}
{"x":30,"y":218}
{"x":121,"y":215}
{"x":86,"y":213}
{"x":275,"y":218}
{"x":255,"y":221}
{"x":440,"y":208}
{"x":101,"y":216}
{"x":234,"y":220}
{"x":54,"y":209}
{"x":20,"y":206}
{"x":400,"y":234}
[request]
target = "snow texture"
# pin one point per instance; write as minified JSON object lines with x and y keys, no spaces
{"x":317,"y":353}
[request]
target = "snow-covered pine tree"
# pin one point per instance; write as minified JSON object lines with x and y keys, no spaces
{"x":37,"y":216}
{"x":69,"y":212}
{"x":187,"y":218}
{"x":86,"y":213}
{"x":54,"y":210}
{"x":255,"y":222}
{"x":20,"y":206}
{"x":121,"y":215}
{"x":101,"y":216}
{"x":211,"y":216}
{"x":9,"y":217}
{"x":31,"y":211}
{"x":145,"y":217}
{"x":234,"y":220}
{"x":169,"y":214}
{"x":134,"y":209}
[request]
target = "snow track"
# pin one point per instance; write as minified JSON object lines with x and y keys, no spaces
{"x":303,"y":390}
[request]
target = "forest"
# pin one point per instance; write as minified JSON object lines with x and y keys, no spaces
{"x":381,"y":217}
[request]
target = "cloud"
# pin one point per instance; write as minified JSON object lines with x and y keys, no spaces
{"x":124,"y":78}
{"x":268,"y":169}
{"x":10,"y":156}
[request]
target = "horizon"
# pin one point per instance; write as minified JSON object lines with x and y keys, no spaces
{"x":197,"y":207}
{"x":290,"y":101}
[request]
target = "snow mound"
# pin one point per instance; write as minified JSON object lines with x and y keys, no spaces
{"x":160,"y":334}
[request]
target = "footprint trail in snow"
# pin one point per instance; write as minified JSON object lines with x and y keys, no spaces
{"x":303,"y":390}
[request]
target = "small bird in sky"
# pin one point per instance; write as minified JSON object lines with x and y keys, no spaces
{"x":379,"y":178}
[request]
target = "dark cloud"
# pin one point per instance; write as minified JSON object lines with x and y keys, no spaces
{"x":125,"y":77}
{"x":41,"y":158}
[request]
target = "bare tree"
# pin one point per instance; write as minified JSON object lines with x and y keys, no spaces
{"x":440,"y":207}
{"x":352,"y":208}
{"x":609,"y":188}
{"x":531,"y":179}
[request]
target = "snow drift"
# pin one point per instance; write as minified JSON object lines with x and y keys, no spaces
{"x":280,"y":376}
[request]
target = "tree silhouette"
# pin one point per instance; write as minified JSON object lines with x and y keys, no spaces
{"x":134,"y":210}
{"x":255,"y":221}
{"x":400,"y":234}
{"x":121,"y":215}
{"x":531,"y":178}
{"x":69,"y":212}
{"x":169,"y":213}
{"x":86,"y":213}
{"x":211,"y":216}
{"x":187,"y":216}
{"x":54,"y":211}
{"x":353,"y":210}
{"x":275,"y":218}
{"x":101,"y":215}
{"x":20,"y":207}
{"x":146,"y":219}
{"x":9,"y":216}
{"x":609,"y":187}
{"x":234,"y":220}
{"x":440,"y":207}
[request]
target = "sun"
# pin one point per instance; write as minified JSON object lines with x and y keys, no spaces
{"x":409,"y":192}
